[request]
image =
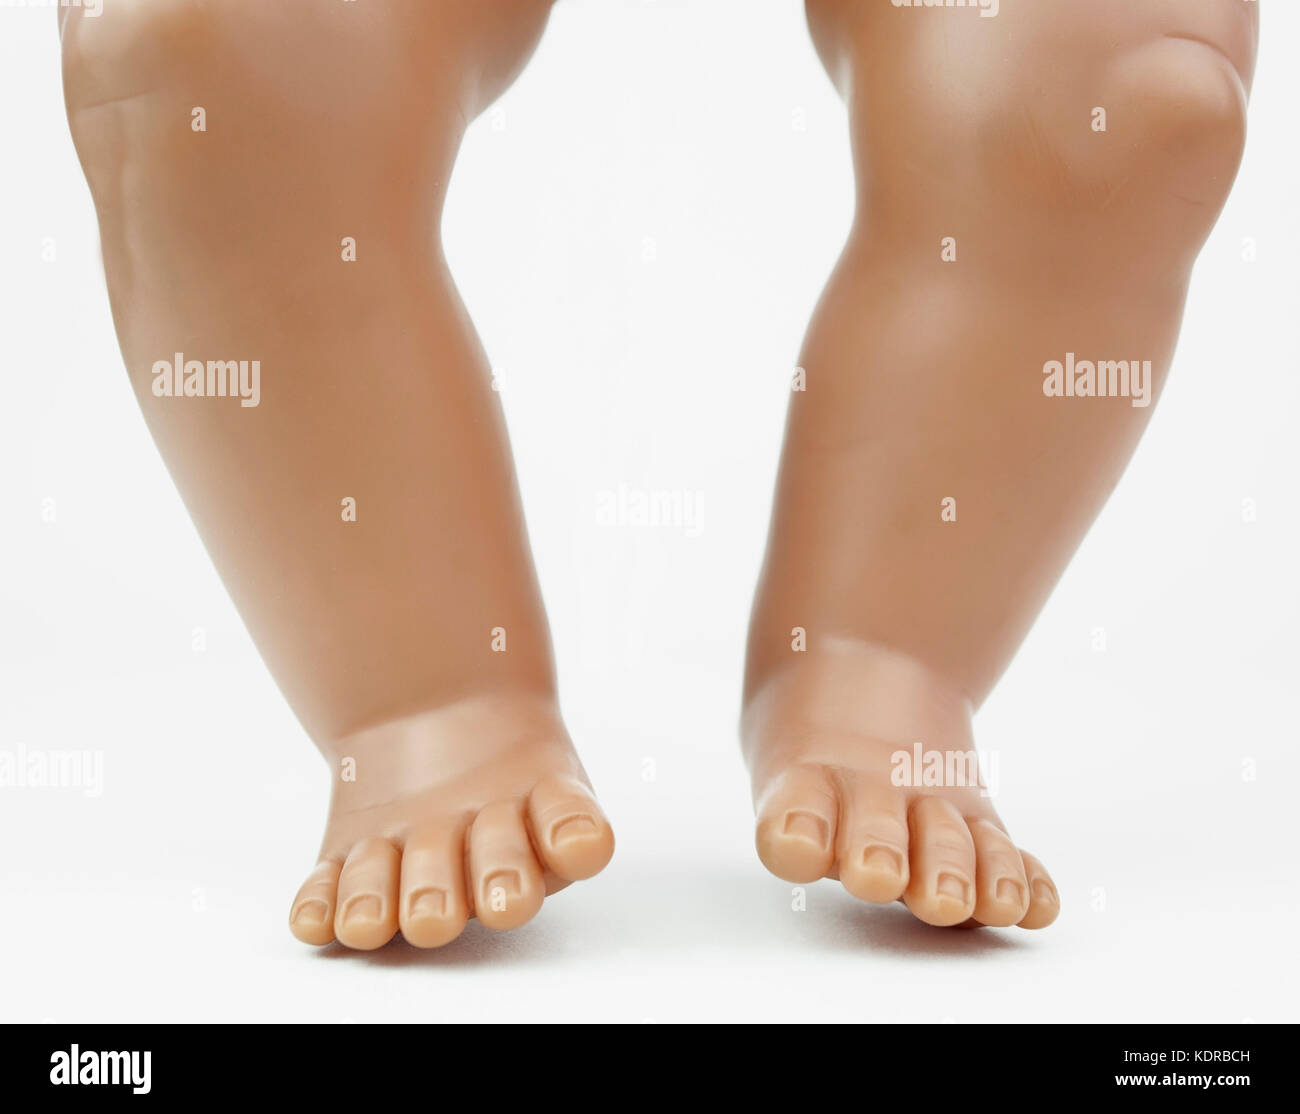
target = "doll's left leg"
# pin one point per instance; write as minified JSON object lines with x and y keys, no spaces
{"x":1033,"y":188}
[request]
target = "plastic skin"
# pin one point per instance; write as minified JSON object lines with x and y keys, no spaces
{"x":364,"y":513}
{"x":1032,"y":190}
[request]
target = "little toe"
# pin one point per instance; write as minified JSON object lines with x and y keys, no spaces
{"x":506,"y":877}
{"x":311,"y":917}
{"x":871,"y":850}
{"x":366,"y":916}
{"x":1001,"y":889}
{"x":941,"y":890}
{"x":796,"y":824}
{"x":433,"y":908}
{"x":1044,"y":901}
{"x":570,"y":832}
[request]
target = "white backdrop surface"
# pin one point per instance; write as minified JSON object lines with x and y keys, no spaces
{"x":640,"y":230}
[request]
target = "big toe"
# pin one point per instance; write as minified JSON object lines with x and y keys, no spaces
{"x":796,"y":824}
{"x":311,"y":917}
{"x":570,"y":832}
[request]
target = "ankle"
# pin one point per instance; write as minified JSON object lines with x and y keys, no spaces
{"x":856,"y":686}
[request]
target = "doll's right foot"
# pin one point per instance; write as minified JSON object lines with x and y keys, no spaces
{"x":479,"y":809}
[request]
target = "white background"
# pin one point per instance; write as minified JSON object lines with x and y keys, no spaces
{"x":641,"y":232}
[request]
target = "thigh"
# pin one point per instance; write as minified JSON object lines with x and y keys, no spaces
{"x":950,"y":71}
{"x":357,"y":107}
{"x":1012,"y":36}
{"x":372,"y":64}
{"x":1054,"y":107}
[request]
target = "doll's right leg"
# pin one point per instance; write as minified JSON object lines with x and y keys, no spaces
{"x":269,"y":182}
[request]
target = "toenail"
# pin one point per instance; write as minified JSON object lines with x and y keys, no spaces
{"x":950,"y":885}
{"x":428,"y":903}
{"x":1045,"y":892}
{"x":571,"y":828}
{"x":312,"y":911}
{"x":364,"y":907}
{"x":809,"y":826}
{"x":885,"y":860}
{"x":504,"y":883}
{"x":1010,"y":892}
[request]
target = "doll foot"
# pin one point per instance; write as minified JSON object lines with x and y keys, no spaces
{"x":833,"y":744}
{"x":478,"y":810}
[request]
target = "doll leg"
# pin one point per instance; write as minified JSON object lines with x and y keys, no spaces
{"x":1033,"y":189}
{"x":269,"y":182}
